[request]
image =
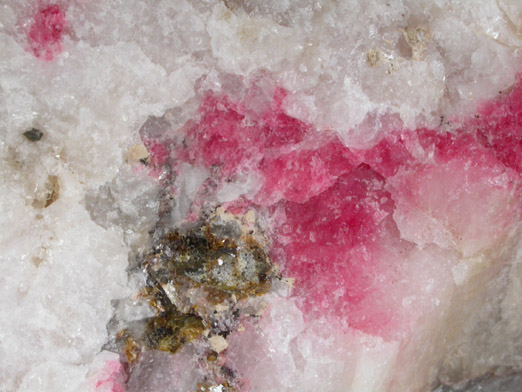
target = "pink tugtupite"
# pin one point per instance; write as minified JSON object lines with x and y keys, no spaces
{"x":381,"y":241}
{"x":45,"y":35}
{"x":112,"y":378}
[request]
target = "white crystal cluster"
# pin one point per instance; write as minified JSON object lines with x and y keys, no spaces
{"x":76,"y":203}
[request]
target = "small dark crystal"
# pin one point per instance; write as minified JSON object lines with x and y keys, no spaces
{"x":33,"y":135}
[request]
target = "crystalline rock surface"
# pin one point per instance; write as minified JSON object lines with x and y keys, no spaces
{"x":260,"y":196}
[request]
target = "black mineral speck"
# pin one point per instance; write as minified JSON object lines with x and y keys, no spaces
{"x":33,"y":134}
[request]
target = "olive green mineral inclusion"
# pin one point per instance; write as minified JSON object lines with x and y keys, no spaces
{"x":220,"y":266}
{"x":170,"y":330}
{"x":224,"y":269}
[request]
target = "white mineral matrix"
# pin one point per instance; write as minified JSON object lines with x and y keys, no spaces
{"x":260,"y":196}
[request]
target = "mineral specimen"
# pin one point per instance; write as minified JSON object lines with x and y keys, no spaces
{"x":45,"y":35}
{"x":202,"y":284}
{"x":235,"y":196}
{"x":33,"y":134}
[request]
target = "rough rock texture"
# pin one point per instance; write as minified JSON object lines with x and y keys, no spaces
{"x":395,"y":242}
{"x":376,"y":145}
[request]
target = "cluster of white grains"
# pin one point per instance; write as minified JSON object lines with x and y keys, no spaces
{"x":75,"y":203}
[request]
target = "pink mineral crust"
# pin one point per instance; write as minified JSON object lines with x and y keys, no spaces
{"x":45,"y":34}
{"x":112,"y":379}
{"x":158,"y":158}
{"x":225,"y":139}
{"x":301,"y":174}
{"x":332,"y":244}
{"x":372,"y":237}
{"x":499,"y":128}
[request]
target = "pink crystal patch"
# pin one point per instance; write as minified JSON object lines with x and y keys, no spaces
{"x":45,"y":35}
{"x":113,"y":378}
{"x":347,"y":223}
{"x":499,"y":127}
{"x":301,"y":174}
{"x":227,"y":139}
{"x":332,"y":246}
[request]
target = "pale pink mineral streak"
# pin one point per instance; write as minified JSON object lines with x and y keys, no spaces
{"x":112,"y":378}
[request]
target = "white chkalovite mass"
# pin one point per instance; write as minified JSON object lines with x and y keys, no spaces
{"x":257,"y":196}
